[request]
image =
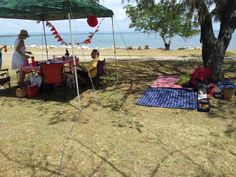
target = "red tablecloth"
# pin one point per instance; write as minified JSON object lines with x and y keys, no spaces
{"x":65,"y":60}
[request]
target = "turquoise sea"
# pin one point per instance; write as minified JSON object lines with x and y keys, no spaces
{"x":105,"y":40}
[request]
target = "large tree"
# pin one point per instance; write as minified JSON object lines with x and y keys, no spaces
{"x":166,"y":18}
{"x":206,"y":11}
{"x":214,"y":48}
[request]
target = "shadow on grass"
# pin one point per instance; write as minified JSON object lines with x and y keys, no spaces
{"x":34,"y":165}
{"x":104,"y":159}
{"x":201,"y":168}
{"x":56,"y":95}
{"x":133,"y":80}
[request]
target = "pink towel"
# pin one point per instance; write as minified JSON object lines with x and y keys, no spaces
{"x":167,"y":82}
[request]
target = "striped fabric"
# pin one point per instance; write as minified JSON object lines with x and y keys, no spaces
{"x":169,"y":98}
{"x":166,"y":82}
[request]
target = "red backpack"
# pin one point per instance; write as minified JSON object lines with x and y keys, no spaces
{"x":200,"y":74}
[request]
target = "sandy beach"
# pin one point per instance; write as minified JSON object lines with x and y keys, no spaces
{"x":121,"y":54}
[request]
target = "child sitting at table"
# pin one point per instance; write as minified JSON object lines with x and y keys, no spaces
{"x":84,"y":73}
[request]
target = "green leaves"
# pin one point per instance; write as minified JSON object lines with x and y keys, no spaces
{"x":168,"y":18}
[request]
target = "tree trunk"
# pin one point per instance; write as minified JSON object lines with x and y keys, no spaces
{"x":213,"y":57}
{"x":167,"y":46}
{"x":213,"y":49}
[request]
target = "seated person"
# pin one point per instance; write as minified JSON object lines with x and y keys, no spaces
{"x":84,"y":73}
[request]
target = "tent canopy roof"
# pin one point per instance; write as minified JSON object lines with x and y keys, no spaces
{"x":51,"y":9}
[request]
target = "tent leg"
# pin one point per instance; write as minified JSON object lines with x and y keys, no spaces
{"x":114,"y":48}
{"x":74,"y":62}
{"x":45,"y":39}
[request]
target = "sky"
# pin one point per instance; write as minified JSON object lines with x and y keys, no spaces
{"x":121,"y":22}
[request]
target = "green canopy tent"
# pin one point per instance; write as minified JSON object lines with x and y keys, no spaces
{"x":44,"y":10}
{"x":52,"y":9}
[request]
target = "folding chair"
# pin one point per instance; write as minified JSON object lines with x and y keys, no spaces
{"x":101,"y":70}
{"x":53,"y":75}
{"x":5,"y":78}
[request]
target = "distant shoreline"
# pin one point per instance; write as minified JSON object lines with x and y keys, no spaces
{"x":105,"y":40}
{"x":67,"y":33}
{"x":121,"y":54}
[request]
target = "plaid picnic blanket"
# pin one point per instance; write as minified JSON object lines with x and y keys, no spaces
{"x":169,"y":98}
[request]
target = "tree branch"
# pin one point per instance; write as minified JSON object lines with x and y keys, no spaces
{"x":232,"y":22}
{"x":227,"y":9}
{"x":205,"y":20}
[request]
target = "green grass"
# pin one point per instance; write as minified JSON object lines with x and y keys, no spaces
{"x":113,"y":136}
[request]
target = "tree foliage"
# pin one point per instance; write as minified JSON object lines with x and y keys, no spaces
{"x":166,"y":18}
{"x":205,"y":12}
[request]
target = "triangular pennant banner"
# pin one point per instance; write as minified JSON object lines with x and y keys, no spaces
{"x":59,"y":39}
{"x":48,"y":24}
{"x":55,"y":32}
{"x":87,"y":41}
{"x":57,"y":36}
{"x":53,"y":28}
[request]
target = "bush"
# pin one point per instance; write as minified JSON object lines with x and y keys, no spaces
{"x":146,"y":47}
{"x":130,"y":48}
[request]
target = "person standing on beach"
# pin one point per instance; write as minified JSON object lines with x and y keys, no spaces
{"x":20,"y":56}
{"x":5,"y":50}
{"x":67,"y":54}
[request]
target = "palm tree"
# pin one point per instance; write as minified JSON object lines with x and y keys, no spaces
{"x":205,"y":12}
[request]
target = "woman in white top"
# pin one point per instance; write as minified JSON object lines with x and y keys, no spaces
{"x":20,"y":56}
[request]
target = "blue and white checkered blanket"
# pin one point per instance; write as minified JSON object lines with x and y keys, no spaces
{"x":169,"y":98}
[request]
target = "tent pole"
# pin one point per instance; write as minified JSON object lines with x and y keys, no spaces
{"x":114,"y":48}
{"x":45,"y":39}
{"x":74,"y":62}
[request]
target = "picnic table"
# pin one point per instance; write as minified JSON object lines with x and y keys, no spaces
{"x":35,"y":68}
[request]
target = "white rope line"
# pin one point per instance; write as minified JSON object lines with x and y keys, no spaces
{"x":65,"y":145}
{"x":126,"y":48}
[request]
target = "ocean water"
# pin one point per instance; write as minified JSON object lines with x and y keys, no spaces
{"x":105,"y":40}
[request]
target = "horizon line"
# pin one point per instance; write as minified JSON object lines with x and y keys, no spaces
{"x":65,"y":33}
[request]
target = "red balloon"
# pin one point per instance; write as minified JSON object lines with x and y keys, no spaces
{"x":92,"y":21}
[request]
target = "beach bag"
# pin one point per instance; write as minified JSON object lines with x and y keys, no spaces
{"x":21,"y":92}
{"x":200,"y":74}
